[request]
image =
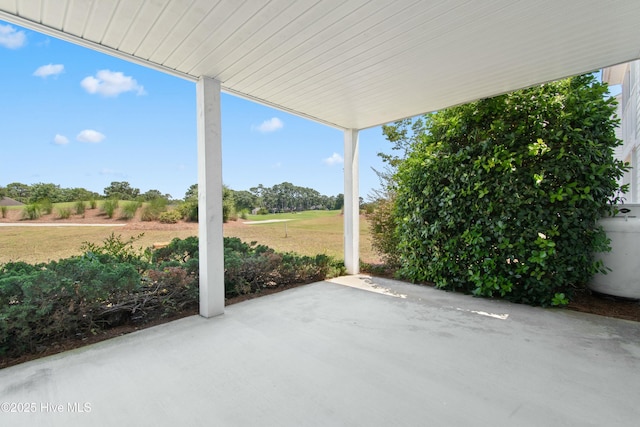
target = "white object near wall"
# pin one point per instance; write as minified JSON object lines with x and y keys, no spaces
{"x":624,"y":278}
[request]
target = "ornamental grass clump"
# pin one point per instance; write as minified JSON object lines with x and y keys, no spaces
{"x":79,"y":207}
{"x":32,"y":211}
{"x":109,"y":207}
{"x":129,"y":209}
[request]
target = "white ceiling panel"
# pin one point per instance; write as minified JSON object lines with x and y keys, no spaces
{"x":155,"y":41}
{"x":99,"y":19}
{"x":76,"y":15}
{"x":146,"y":17}
{"x":351,"y":64}
{"x":30,"y":9}
{"x":55,"y":12}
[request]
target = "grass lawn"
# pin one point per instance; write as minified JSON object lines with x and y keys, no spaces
{"x":42,"y":244}
{"x":306,"y":233}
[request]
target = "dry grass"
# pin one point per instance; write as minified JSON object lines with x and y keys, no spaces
{"x":41,"y":244}
{"x":306,"y":235}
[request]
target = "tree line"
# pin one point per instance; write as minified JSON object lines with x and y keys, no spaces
{"x":284,"y":197}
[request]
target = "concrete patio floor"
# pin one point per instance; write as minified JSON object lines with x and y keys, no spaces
{"x":330,"y":354}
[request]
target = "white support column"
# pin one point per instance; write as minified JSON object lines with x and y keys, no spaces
{"x":351,"y":202}
{"x":210,"y":198}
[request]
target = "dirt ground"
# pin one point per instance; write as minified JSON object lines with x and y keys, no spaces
{"x":584,"y":300}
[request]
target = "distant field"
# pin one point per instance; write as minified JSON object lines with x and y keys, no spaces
{"x":306,"y":233}
{"x":41,"y":244}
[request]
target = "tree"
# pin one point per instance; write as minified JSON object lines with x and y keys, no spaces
{"x":500,"y":197}
{"x":190,"y":205}
{"x":18,"y":191}
{"x":339,"y":202}
{"x":228,"y":204}
{"x":192,"y":192}
{"x":244,"y":200}
{"x":121,"y":190}
{"x":41,"y":191}
{"x":77,"y":194}
{"x":152,"y":195}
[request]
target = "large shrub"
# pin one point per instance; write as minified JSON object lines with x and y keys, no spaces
{"x":501,"y":196}
{"x":383,"y":238}
{"x":114,"y":283}
{"x":249,"y":267}
{"x":70,"y":298}
{"x":154,"y":208}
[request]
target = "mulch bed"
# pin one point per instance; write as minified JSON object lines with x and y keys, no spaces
{"x":605,"y":305}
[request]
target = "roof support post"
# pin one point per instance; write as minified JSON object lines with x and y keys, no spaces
{"x":211,"y":245}
{"x":351,"y":202}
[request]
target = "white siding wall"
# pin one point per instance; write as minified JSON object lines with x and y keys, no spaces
{"x":629,"y":131}
{"x":632,"y":147}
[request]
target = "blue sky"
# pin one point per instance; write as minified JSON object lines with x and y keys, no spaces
{"x":79,"y":118}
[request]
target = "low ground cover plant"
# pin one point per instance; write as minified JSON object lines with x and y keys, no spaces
{"x":115,"y":283}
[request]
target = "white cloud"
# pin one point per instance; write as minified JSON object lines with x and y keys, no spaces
{"x":89,"y":135}
{"x":333,"y":160}
{"x":270,"y":125}
{"x":12,"y":38}
{"x":60,"y":139}
{"x":49,"y":70}
{"x":111,"y":83}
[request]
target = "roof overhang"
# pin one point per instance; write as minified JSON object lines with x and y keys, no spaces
{"x":350,"y":64}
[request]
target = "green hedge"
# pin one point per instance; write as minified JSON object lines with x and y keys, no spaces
{"x":501,"y":197}
{"x":112,"y":283}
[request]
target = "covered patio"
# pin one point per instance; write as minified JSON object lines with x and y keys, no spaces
{"x":348,"y":64}
{"x":332,"y":353}
{"x":353,"y":351}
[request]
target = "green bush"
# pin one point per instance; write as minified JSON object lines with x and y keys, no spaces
{"x":153,"y":210}
{"x":70,"y":298}
{"x":189,"y":210}
{"x":183,"y":251}
{"x":170,"y":217}
{"x":45,"y":206}
{"x":79,"y":207}
{"x":63,"y":213}
{"x":250,"y":267}
{"x":109,"y":207}
{"x":113,"y":283}
{"x":116,"y":248}
{"x":32,"y":211}
{"x":129,"y":209}
{"x":4,"y":210}
{"x":501,"y":197}
{"x":93,"y":203}
{"x":382,"y":228}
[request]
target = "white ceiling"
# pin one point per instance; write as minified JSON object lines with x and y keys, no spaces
{"x":351,"y":63}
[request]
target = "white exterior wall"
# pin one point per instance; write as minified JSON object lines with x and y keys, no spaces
{"x":628,"y":76}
